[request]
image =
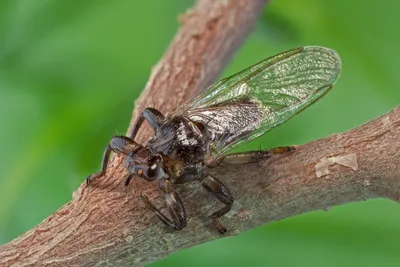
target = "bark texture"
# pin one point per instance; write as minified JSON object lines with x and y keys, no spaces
{"x":108,"y":225}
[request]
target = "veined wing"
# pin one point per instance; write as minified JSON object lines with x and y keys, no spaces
{"x":250,"y":103}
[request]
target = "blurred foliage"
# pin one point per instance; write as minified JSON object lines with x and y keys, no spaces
{"x":70,"y":71}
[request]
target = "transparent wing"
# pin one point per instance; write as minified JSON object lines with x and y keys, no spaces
{"x":255,"y":100}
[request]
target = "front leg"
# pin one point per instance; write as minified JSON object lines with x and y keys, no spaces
{"x":174,"y":205}
{"x":125,"y":144}
{"x":118,"y":144}
{"x":152,"y":116}
{"x":104,"y":163}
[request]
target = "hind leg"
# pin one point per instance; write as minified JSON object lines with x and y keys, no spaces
{"x":248,"y":156}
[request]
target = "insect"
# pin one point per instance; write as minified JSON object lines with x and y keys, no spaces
{"x":200,"y":133}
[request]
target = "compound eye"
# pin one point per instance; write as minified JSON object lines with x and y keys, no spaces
{"x":152,"y":170}
{"x":158,"y":158}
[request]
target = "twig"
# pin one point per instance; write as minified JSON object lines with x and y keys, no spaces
{"x":107,"y":224}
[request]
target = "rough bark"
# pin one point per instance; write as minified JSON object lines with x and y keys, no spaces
{"x":101,"y":224}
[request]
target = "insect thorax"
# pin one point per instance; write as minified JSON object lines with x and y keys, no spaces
{"x":179,"y":140}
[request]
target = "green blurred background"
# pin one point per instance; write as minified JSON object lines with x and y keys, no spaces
{"x":70,"y":71}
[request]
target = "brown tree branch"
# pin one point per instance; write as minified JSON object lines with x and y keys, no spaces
{"x":107,"y":224}
{"x":210,"y":33}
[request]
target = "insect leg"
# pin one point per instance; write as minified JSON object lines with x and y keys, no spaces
{"x":128,"y":179}
{"x":125,"y":144}
{"x":174,"y":205}
{"x":119,"y":144}
{"x":104,"y":163}
{"x":152,"y":116}
{"x":218,"y":189}
{"x":248,"y":156}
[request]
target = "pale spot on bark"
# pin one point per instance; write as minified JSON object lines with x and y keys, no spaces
{"x":349,"y":160}
{"x":386,"y":121}
{"x":366,"y":182}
